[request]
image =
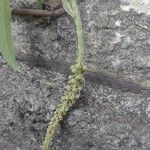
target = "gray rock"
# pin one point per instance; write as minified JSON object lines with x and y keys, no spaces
{"x":106,"y":117}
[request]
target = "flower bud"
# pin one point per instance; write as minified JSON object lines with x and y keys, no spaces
{"x":77,"y":96}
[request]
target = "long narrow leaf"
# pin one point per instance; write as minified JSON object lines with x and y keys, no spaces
{"x":6,"y":45}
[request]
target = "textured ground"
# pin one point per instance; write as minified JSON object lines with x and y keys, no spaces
{"x":113,"y":112}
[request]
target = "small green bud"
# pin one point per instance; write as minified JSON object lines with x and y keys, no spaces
{"x":74,"y":90}
{"x":72,"y":81}
{"x":77,"y":96}
{"x":52,"y":120}
{"x":70,"y":77}
{"x":78,"y":77}
{"x":63,"y":98}
{"x":59,"y":105}
{"x":73,"y":66}
{"x":72,"y":96}
{"x":66,"y":109}
{"x":68,"y":88}
{"x":82,"y":79}
{"x":60,"y":117}
{"x":74,"y":70}
{"x":55,"y":113}
{"x":80,"y":88}
{"x":84,"y":68}
{"x":78,"y":66}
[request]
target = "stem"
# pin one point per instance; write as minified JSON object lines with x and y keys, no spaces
{"x":79,"y":30}
{"x":74,"y":86}
{"x":38,"y":13}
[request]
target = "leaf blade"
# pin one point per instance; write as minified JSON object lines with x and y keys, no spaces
{"x":6,"y":45}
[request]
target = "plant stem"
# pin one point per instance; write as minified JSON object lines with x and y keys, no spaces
{"x":74,"y":86}
{"x":38,"y":13}
{"x":79,"y":30}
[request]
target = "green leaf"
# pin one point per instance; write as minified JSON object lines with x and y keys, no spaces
{"x":6,"y":45}
{"x":67,"y":5}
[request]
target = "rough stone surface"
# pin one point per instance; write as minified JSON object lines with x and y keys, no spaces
{"x":117,"y":40}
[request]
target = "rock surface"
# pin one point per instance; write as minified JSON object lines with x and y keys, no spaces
{"x":106,"y":117}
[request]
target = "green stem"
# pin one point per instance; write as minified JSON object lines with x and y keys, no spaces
{"x":79,"y":30}
{"x":75,"y":83}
